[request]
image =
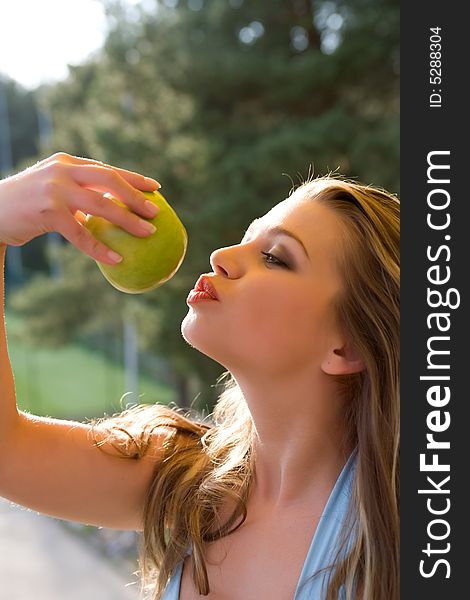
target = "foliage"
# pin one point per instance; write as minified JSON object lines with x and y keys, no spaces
{"x":24,"y":123}
{"x":73,"y":382}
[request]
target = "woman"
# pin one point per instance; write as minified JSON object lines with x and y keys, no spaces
{"x":292,"y":490}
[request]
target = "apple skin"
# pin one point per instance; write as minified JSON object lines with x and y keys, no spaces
{"x":147,"y":262}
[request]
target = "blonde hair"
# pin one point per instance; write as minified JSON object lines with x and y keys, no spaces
{"x":206,"y":464}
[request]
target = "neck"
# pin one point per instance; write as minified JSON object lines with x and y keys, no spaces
{"x":301,"y":441}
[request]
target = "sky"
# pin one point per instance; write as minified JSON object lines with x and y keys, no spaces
{"x":38,"y":38}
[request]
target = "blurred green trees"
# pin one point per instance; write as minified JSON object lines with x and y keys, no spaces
{"x":19,"y":124}
{"x":228,"y":104}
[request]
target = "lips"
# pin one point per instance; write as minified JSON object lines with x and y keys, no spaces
{"x":204,"y":284}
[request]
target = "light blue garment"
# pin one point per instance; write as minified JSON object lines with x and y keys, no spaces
{"x":322,"y":549}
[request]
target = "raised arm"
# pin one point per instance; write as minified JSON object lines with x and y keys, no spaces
{"x":50,"y":465}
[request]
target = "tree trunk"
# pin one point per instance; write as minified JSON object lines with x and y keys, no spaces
{"x":183,"y":390}
{"x":131,"y":356}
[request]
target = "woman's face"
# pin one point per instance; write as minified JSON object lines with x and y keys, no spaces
{"x":275,"y":293}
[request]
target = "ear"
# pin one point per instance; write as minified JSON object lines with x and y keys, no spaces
{"x":342,"y":361}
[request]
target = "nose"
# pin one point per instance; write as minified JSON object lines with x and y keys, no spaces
{"x":225,"y":261}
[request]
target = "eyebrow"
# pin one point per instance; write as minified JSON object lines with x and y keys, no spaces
{"x":278,"y":230}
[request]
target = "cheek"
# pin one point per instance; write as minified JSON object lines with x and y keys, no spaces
{"x":286,"y":320}
{"x":261,"y":327}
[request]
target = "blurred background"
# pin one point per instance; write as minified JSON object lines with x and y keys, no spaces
{"x":228,"y":103}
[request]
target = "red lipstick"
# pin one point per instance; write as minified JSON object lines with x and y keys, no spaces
{"x":203,"y":290}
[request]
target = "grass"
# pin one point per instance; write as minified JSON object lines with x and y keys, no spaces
{"x":73,"y":382}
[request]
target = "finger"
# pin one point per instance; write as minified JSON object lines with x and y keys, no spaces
{"x":105,"y":179}
{"x":80,"y":217}
{"x":146,"y":184}
{"x":94,"y":203}
{"x":79,"y":236}
{"x":141,"y":182}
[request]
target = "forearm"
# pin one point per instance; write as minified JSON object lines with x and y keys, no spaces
{"x":55,"y":467}
{"x":8,"y":409}
{"x":50,"y":465}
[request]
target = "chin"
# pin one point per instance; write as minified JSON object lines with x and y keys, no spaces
{"x":192,"y":334}
{"x":196,"y":335}
{"x":187,"y":327}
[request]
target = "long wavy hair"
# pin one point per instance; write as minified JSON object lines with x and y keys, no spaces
{"x":209,"y":462}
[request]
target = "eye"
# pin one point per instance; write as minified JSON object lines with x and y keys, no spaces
{"x":273,"y":260}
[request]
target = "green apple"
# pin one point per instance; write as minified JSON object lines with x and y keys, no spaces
{"x":147,"y":262}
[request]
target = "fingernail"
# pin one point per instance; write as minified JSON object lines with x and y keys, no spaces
{"x":153,"y":182}
{"x":114,"y":256}
{"x":147,"y":227}
{"x":151,"y":208}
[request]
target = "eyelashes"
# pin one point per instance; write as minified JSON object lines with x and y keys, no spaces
{"x":270,"y":259}
{"x":273,"y":260}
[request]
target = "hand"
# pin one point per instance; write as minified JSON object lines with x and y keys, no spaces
{"x":56,"y":193}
